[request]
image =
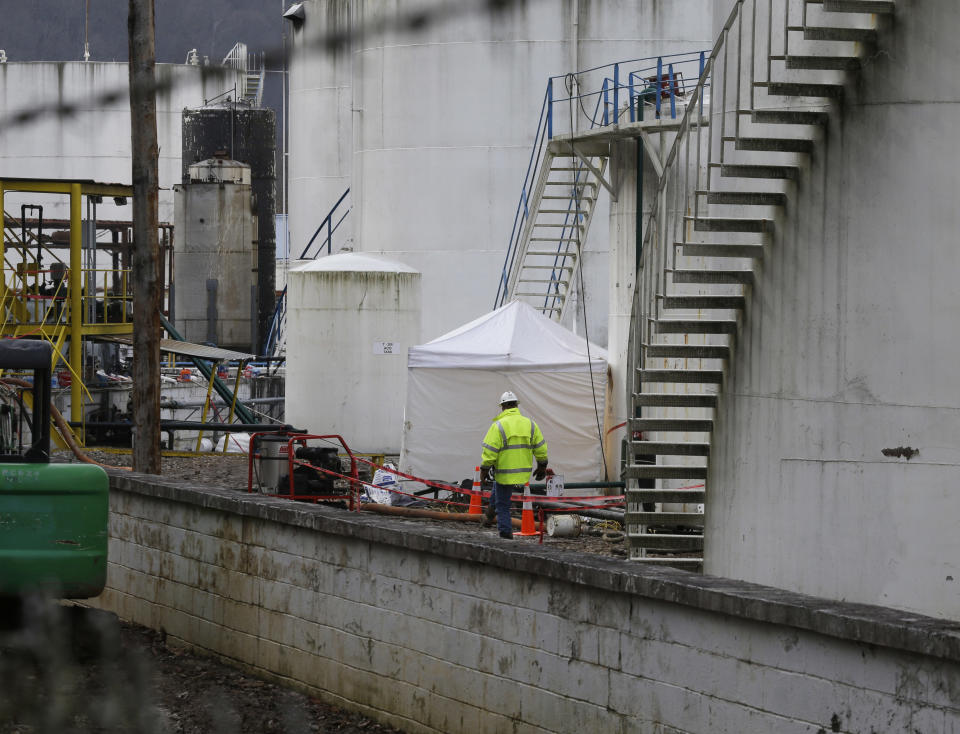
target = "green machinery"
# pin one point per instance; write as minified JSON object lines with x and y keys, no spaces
{"x":53,"y":517}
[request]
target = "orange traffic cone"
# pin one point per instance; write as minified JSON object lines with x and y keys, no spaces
{"x":527,"y":525}
{"x":476,"y":498}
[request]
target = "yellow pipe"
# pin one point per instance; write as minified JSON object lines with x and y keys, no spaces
{"x":233,"y":403}
{"x":76,"y":305}
{"x":206,"y":404}
{"x":89,"y":188}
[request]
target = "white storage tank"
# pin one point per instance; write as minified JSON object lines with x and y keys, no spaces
{"x":350,"y":320}
{"x":94,"y":142}
{"x":433,"y":129}
{"x":215,"y":255}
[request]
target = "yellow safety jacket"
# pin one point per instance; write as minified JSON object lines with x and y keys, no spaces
{"x":510,"y":446}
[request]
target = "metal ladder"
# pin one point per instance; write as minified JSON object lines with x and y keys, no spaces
{"x":722,"y":191}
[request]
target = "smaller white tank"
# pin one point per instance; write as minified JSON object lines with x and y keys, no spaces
{"x":350,"y":320}
{"x":215,"y":255}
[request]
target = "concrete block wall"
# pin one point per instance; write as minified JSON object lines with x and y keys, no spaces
{"x":433,"y":629}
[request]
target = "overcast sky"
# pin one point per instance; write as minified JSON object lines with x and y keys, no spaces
{"x":53,"y":30}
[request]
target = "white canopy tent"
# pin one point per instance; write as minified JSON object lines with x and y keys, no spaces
{"x":455,"y":381}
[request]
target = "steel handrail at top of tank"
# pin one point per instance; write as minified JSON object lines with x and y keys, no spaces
{"x":54,"y":537}
{"x":645,"y":81}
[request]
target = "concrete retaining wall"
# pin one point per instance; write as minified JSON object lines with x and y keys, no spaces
{"x":436,"y":629}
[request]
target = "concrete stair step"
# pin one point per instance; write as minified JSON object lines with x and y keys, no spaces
{"x":880,"y":7}
{"x":677,"y":425}
{"x":745,"y":198}
{"x":669,"y":448}
{"x":687,"y":351}
{"x":829,"y":33}
{"x":665,"y":471}
{"x":683,"y":519}
{"x":721,"y":249}
{"x":684,"y":562}
{"x":820,"y":63}
{"x":665,"y":542}
{"x":757,"y":170}
{"x":674,"y":400}
{"x":693,"y":376}
{"x":788,"y":117}
{"x":801,"y":89}
{"x":730,"y":224}
{"x":773,"y":145}
{"x":695,"y":326}
{"x":696,"y":495}
{"x":698,"y":275}
{"x":704,"y":301}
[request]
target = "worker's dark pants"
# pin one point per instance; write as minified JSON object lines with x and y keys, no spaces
{"x":501,"y":493}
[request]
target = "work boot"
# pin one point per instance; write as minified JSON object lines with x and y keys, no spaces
{"x":489,"y":515}
{"x":505,"y":534}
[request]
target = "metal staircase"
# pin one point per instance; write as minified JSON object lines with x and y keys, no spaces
{"x":323,"y":239}
{"x":565,"y":198}
{"x":566,"y":176}
{"x":253,"y":73}
{"x":779,"y":69}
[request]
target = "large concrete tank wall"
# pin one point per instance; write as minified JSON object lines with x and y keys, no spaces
{"x":350,"y":320}
{"x":247,"y":135}
{"x":320,"y":121}
{"x":835,"y":466}
{"x":440,"y":126}
{"x":94,"y":143}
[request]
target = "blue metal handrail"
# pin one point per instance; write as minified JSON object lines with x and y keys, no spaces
{"x":327,"y":224}
{"x":654,"y":76}
{"x":655,"y":84}
{"x":279,"y":316}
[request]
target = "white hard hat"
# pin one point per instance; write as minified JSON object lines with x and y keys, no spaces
{"x":508,"y":397}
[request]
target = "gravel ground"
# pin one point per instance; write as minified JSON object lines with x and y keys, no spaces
{"x":70,"y":669}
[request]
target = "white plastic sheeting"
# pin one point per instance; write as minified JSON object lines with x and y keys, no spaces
{"x":455,"y":381}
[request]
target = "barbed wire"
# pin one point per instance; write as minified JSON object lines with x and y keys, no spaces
{"x":331,"y":42}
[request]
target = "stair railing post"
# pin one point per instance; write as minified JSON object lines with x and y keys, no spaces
{"x":329,"y":234}
{"x":699,"y":76}
{"x":753,"y":53}
{"x":550,"y":109}
{"x":673,"y":95}
{"x":659,"y":83}
{"x":616,"y":93}
{"x":633,"y":98}
{"x":736,"y":124}
{"x":605,"y":103}
{"x":723,"y":95}
{"x":786,"y":26}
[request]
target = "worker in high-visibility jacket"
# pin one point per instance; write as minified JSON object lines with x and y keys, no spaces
{"x":509,"y":449}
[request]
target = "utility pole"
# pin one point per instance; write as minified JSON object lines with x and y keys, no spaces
{"x":146,"y":245}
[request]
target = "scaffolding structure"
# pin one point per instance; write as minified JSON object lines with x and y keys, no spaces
{"x":52,"y":287}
